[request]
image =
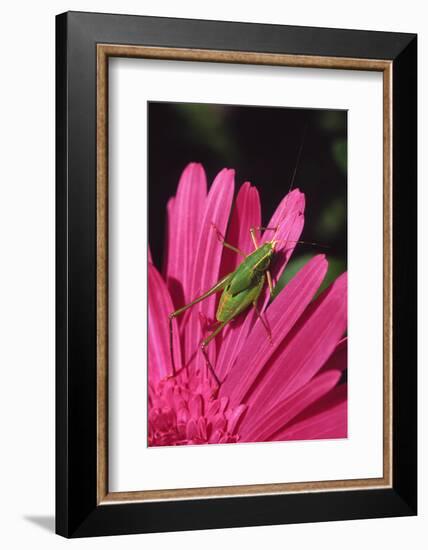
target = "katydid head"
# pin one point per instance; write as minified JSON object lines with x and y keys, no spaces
{"x":268,"y":248}
{"x":273,"y":244}
{"x":274,"y":241}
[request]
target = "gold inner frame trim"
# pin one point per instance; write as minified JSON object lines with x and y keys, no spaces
{"x":104,"y":51}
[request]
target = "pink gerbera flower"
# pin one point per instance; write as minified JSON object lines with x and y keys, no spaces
{"x":285,"y":389}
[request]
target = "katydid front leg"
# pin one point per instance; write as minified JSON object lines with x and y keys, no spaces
{"x":222,"y":240}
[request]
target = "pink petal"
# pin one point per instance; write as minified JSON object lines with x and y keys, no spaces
{"x":261,"y":427}
{"x":185,"y":214}
{"x":160,"y":305}
{"x":288,"y":211}
{"x":280,"y":316}
{"x":196,"y":406}
{"x":235,"y":337}
{"x":192,"y":430}
{"x":289,"y":219}
{"x":235,"y":417}
{"x":339,"y":358}
{"x":170,"y":237}
{"x":205,"y":268}
{"x":246,"y":214}
{"x":308,"y":347}
{"x":149,"y":255}
{"x":326,"y":419}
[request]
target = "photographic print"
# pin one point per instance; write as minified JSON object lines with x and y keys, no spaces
{"x":247,"y":274}
{"x":216,"y":367}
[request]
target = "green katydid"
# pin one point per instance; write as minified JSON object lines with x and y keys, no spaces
{"x":240,"y":289}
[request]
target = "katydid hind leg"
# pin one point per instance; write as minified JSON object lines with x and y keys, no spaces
{"x":263,"y":321}
{"x":216,"y":288}
{"x":204,"y":345}
{"x":270,"y":283}
{"x":247,"y":297}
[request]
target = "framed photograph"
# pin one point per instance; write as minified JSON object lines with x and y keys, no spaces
{"x":236,"y":274}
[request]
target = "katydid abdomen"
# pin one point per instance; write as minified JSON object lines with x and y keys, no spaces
{"x":231,"y":305}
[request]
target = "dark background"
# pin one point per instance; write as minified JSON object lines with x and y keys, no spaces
{"x":262,"y":144}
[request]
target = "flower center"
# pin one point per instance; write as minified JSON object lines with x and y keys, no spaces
{"x":185,"y":412}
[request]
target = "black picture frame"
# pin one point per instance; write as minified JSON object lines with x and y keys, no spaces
{"x":78,"y":513}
